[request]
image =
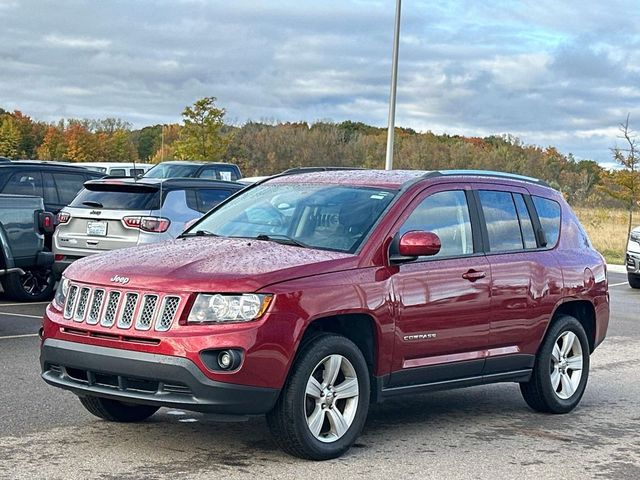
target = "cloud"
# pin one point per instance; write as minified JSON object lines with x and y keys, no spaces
{"x":76,"y":42}
{"x":544,"y":70}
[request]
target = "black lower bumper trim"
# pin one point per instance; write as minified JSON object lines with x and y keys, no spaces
{"x":146,"y":378}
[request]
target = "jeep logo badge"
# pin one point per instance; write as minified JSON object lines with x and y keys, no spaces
{"x":119,"y":279}
{"x":95,"y":212}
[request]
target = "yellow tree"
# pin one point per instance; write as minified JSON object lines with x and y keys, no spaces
{"x":9,"y":137}
{"x":201,"y":136}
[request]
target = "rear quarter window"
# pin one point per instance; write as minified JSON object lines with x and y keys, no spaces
{"x":549,"y":214}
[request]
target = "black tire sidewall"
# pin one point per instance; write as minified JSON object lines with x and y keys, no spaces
{"x":634,"y":280}
{"x":555,"y":403}
{"x":308,"y":360}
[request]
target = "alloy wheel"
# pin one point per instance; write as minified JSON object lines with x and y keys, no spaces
{"x":331,"y":398}
{"x":566,"y":365}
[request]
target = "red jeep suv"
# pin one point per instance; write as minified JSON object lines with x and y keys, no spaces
{"x":309,"y":296}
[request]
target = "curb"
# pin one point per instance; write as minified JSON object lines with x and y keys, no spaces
{"x":617,"y":268}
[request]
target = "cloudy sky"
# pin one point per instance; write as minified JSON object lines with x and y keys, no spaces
{"x":562,"y":73}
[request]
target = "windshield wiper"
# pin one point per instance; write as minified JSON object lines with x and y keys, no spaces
{"x":89,"y":203}
{"x":200,"y":233}
{"x":283,"y":239}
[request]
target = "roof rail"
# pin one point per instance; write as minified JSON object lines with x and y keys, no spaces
{"x":297,"y":170}
{"x":489,"y":173}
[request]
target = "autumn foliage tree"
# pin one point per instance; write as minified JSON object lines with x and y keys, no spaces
{"x":201,"y":136}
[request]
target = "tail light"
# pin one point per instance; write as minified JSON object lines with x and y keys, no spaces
{"x":148,"y":224}
{"x":58,"y":257}
{"x":45,"y":222}
{"x":63,"y":217}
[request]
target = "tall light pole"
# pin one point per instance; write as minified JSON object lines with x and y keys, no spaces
{"x":394,"y":88}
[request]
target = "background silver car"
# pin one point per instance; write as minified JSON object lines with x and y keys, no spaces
{"x":118,"y":213}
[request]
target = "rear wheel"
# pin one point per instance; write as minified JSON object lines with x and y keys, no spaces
{"x":115,"y":411}
{"x":561,"y":369}
{"x":634,"y":280}
{"x":34,"y":286}
{"x":324,"y":403}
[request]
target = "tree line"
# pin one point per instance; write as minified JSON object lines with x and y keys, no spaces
{"x":263,"y":148}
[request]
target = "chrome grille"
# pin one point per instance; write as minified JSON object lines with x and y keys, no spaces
{"x":96,"y":303}
{"x":71,"y":300}
{"x":125,"y":310}
{"x":168,"y":311}
{"x":145,"y":316}
{"x":129,"y":308}
{"x":109,"y":316}
{"x":81,"y":308}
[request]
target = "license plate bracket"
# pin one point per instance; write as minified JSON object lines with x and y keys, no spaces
{"x":97,"y":229}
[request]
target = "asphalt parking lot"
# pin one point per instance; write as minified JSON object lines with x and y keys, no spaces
{"x":482,"y":432}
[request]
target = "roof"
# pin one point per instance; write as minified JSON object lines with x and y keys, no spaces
{"x":393,"y":179}
{"x":40,"y":163}
{"x":168,"y":183}
{"x":192,"y":162}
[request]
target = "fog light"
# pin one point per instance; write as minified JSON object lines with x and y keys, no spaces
{"x":225,"y":360}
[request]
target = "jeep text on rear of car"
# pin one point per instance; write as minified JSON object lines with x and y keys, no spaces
{"x":309,"y":296}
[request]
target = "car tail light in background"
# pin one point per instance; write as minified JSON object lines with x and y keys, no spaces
{"x":148,"y":224}
{"x":58,"y":257}
{"x":46,"y":222}
{"x":63,"y":217}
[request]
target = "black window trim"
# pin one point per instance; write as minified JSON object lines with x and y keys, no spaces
{"x":474,"y":219}
{"x":535,"y":220}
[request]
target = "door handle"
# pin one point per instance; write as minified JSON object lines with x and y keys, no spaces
{"x":473,"y":275}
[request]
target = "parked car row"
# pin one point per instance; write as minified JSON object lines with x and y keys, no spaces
{"x":102,"y":215}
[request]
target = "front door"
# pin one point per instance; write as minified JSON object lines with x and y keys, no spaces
{"x":443,"y":301}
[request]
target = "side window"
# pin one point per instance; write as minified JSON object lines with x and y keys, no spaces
{"x":50,"y":192}
{"x":69,"y":184}
{"x":501,"y":220}
{"x":525,"y":222}
{"x":136,"y":171}
{"x":209,"y":173}
{"x":447,"y":215}
{"x":118,"y":172}
{"x":24,"y":183}
{"x":207,"y":199}
{"x":549,"y":214}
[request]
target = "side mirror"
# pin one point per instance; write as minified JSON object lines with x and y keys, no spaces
{"x":414,"y":244}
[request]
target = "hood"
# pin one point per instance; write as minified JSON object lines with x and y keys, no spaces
{"x":207,"y":264}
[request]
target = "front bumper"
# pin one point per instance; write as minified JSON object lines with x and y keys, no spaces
{"x":633,"y":262}
{"x":146,"y":378}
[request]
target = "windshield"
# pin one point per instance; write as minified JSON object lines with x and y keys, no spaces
{"x":328,"y":217}
{"x":171,"y":171}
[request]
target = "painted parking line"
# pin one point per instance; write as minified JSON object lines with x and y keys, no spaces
{"x":9,"y":337}
{"x":39,"y":317}
{"x":22,"y":304}
{"x":618,"y":284}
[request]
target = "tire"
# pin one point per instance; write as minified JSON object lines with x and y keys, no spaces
{"x":338,"y":424}
{"x":35,"y":285}
{"x":115,"y":411}
{"x":556,"y":387}
{"x":634,"y":280}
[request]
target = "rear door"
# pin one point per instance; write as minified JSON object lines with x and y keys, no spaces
{"x":442,"y":323}
{"x":524,"y":286}
{"x":101,"y":218}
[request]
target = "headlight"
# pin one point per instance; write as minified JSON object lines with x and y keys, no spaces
{"x":61,"y":293}
{"x":635,"y":237}
{"x":228,"y":308}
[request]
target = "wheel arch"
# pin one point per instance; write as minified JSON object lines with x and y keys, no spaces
{"x":360,"y":328}
{"x":584,"y":312}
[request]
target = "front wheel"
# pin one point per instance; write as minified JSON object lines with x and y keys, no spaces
{"x":561,"y":369}
{"x":115,"y":411}
{"x":325,"y":401}
{"x":34,"y":286}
